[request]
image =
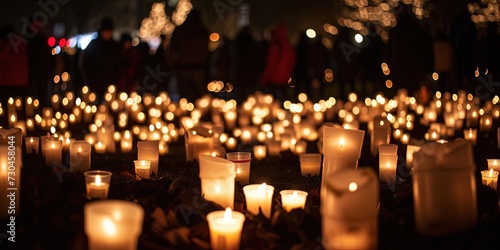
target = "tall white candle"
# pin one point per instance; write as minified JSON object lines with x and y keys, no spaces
{"x":349,"y":211}
{"x":217,"y":180}
{"x":53,"y":151}
{"x":79,"y":159}
{"x":149,"y":150}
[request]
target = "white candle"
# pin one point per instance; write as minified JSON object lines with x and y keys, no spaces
{"x":142,"y":168}
{"x":387,"y":167}
{"x":79,"y":156}
{"x":53,"y":151}
{"x":217,"y":180}
{"x":292,"y":199}
{"x":97,"y":183}
{"x":349,"y":211}
{"x":490,"y":178}
{"x":259,"y":151}
{"x":100,"y":147}
{"x":225,"y":229}
{"x":310,"y":163}
{"x":494,"y":164}
{"x":470,"y":135}
{"x":31,"y":144}
{"x":149,"y":150}
{"x":259,"y":196}
{"x":113,"y":224}
{"x":388,"y":149}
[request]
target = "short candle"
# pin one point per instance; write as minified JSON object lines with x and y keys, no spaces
{"x":225,"y":229}
{"x":490,"y":178}
{"x":259,"y":196}
{"x":97,"y":183}
{"x":292,"y":199}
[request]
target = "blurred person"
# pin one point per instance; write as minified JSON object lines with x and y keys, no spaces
{"x":130,"y":63}
{"x":188,"y":52}
{"x":13,"y":63}
{"x":309,"y":71}
{"x":41,"y":64}
{"x":100,"y":60}
{"x":246,"y":63}
{"x":345,"y":60}
{"x":280,"y":62}
{"x":411,"y":53}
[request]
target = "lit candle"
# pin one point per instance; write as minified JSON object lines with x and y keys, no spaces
{"x":274,"y":148}
{"x":113,"y":224}
{"x":259,"y":196}
{"x":310,"y":163}
{"x":494,"y":164}
{"x":217,"y":180}
{"x":97,"y":183}
{"x":79,"y":156}
{"x":241,"y":162}
{"x":388,"y":149}
{"x":31,"y":144}
{"x":410,"y":149}
{"x":490,"y":178}
{"x":470,"y":135}
{"x":485,"y":122}
{"x":225,"y":229}
{"x":149,"y":150}
{"x":292,"y":199}
{"x":300,"y":147}
{"x":259,"y":152}
{"x":100,"y":147}
{"x":349,"y":211}
{"x":387,"y":167}
{"x":53,"y":151}
{"x":142,"y":168}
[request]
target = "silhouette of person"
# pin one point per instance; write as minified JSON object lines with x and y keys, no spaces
{"x":130,"y":62}
{"x":312,"y":60}
{"x":40,"y":63}
{"x":279,"y":63}
{"x":411,"y":53}
{"x":246,"y":61}
{"x":188,"y":52}
{"x":100,"y":60}
{"x":13,"y":62}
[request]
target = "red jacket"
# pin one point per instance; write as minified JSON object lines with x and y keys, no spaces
{"x":280,"y":59}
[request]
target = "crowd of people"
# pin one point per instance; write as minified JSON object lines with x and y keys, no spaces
{"x":183,"y":64}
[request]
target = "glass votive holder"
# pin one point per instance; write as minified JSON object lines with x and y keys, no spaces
{"x":490,"y":178}
{"x":494,"y":164}
{"x":241,"y":162}
{"x":97,"y":183}
{"x":310,"y":163}
{"x":387,"y":167}
{"x":471,"y":135}
{"x":292,"y":199}
{"x":142,"y":168}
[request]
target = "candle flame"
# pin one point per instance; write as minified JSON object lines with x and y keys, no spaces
{"x":294,"y":194}
{"x":109,"y":226}
{"x":353,"y":186}
{"x":262,"y":187}
{"x":491,"y":172}
{"x":238,"y":171}
{"x":217,"y":189}
{"x":228,"y":214}
{"x":31,"y":140}
{"x":79,"y":149}
{"x":341,"y":142}
{"x":388,"y":164}
{"x":98,"y":180}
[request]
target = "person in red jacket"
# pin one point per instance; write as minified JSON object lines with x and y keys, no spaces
{"x":13,"y":63}
{"x":279,"y":65}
